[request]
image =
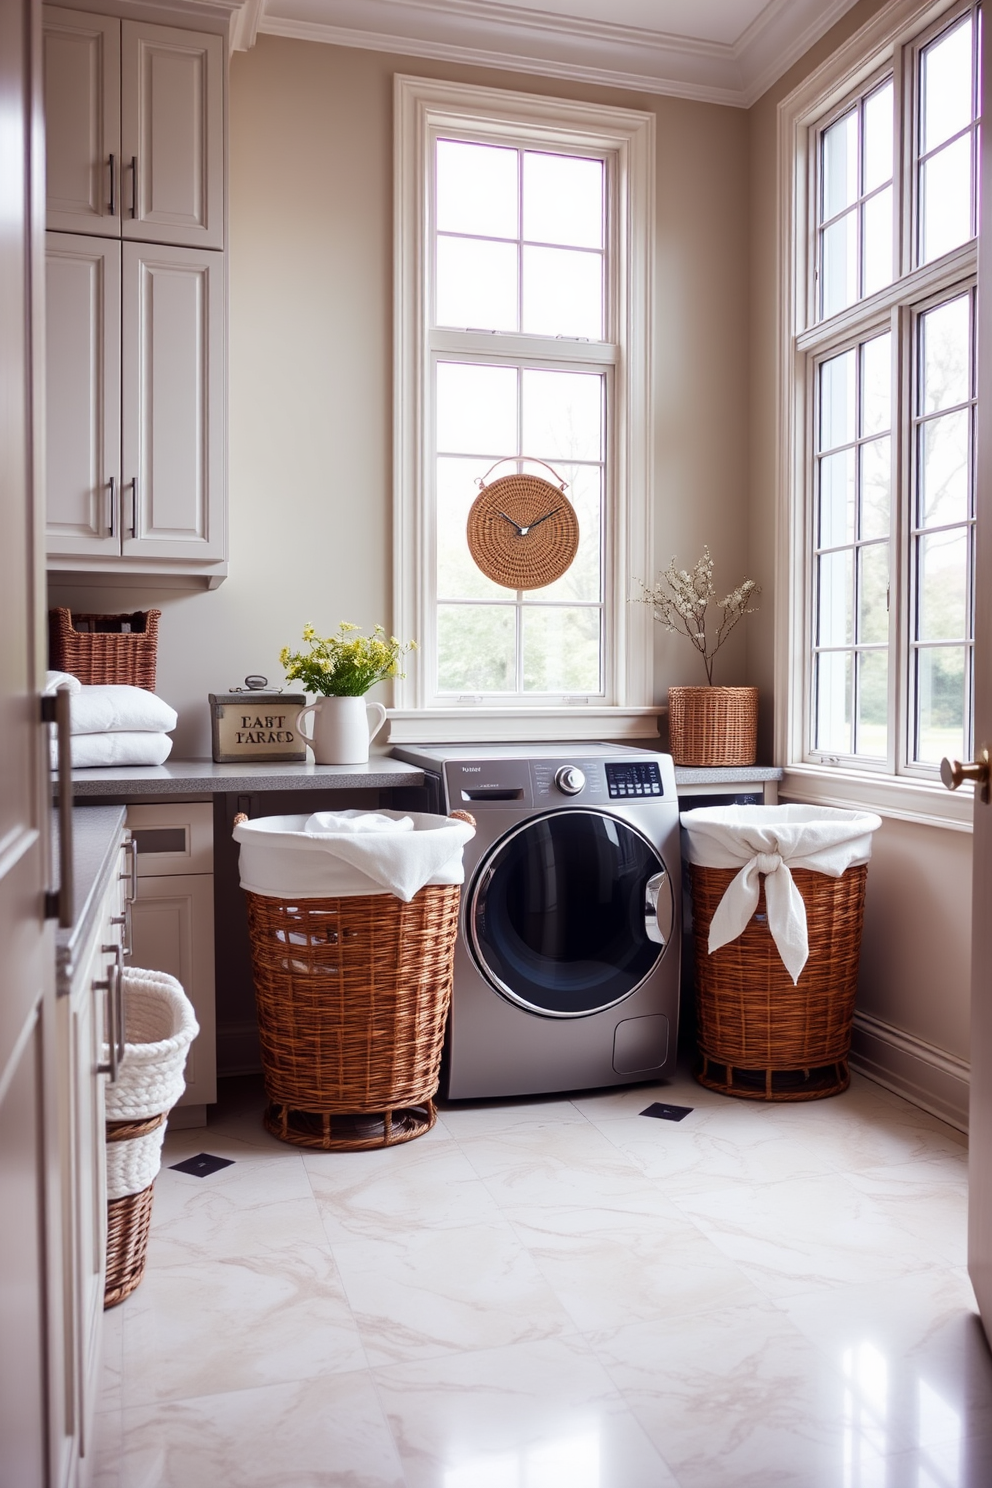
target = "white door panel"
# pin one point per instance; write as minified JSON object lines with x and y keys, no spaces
{"x":82,"y":121}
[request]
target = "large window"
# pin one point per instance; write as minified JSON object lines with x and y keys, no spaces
{"x":523,"y":251}
{"x":884,"y":404}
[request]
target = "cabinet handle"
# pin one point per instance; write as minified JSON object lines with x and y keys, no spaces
{"x":113,"y":186}
{"x":124,"y":921}
{"x":131,"y":848}
{"x":114,"y":988}
{"x":112,"y":505}
{"x":134,"y":185}
{"x":133,"y":524}
{"x":60,"y":902}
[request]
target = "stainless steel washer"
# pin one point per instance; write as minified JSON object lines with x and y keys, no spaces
{"x":567,"y":965}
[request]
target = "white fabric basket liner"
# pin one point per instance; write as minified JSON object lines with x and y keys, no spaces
{"x":282,"y":859}
{"x":134,"y":1164}
{"x":769,"y":841}
{"x":159,"y":1026}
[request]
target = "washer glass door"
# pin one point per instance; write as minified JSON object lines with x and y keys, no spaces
{"x":570,"y":913}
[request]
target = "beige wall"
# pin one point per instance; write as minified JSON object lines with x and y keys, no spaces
{"x":915,"y":970}
{"x":311,"y":362}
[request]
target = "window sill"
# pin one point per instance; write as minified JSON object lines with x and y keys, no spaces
{"x":898,"y":798}
{"x":494,"y":725}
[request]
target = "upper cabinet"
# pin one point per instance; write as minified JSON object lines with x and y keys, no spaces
{"x":134,"y":118}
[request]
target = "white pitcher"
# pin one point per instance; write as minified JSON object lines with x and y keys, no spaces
{"x":342,"y":729}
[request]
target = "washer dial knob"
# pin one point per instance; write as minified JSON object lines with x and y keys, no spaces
{"x":570,"y":780}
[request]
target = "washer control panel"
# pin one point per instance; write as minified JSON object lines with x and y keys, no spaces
{"x":570,"y":780}
{"x":633,"y":778}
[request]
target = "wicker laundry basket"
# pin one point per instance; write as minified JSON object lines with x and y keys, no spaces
{"x":99,"y":652}
{"x":761,"y":1037}
{"x":352,"y":997}
{"x":159,"y":1027}
{"x":713,"y":725}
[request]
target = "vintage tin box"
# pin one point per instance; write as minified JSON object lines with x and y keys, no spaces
{"x":256,"y":722}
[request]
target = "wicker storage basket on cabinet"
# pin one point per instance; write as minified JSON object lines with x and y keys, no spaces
{"x":95,"y":649}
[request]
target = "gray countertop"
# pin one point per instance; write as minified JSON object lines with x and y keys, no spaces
{"x":203,"y":777}
{"x":96,"y":835}
{"x":725,"y":774}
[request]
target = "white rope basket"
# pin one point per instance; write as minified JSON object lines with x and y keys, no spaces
{"x":159,"y":1026}
{"x":134,"y":1163}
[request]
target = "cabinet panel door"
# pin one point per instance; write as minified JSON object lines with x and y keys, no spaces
{"x":173,"y":397}
{"x":172,"y":127}
{"x":172,"y":929}
{"x":83,"y":392}
{"x":82,"y":121}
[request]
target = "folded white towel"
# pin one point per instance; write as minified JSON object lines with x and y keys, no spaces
{"x":55,"y":680}
{"x":105,"y":710}
{"x":281,"y":856}
{"x":335,"y":823}
{"x":771,"y":840}
{"x":92,"y":750}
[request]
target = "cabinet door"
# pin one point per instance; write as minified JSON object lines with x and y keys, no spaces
{"x":172,"y":128}
{"x":82,"y":121}
{"x":173,"y":403}
{"x":172,"y":929}
{"x":83,"y":392}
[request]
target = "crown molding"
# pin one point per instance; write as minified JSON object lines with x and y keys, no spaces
{"x":514,"y":38}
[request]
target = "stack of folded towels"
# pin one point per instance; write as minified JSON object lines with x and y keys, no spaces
{"x":114,"y":725}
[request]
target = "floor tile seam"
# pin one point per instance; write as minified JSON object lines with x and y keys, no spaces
{"x":830,"y":1174}
{"x":631,"y":1406}
{"x":463,"y":1350}
{"x":164,"y":1402}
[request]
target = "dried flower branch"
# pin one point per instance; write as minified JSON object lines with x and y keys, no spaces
{"x":680,"y":599}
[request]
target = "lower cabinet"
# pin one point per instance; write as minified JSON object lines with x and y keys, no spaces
{"x":84,"y":1016}
{"x":172,"y":928}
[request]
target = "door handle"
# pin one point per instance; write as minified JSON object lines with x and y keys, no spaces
{"x":134,"y":185}
{"x":112,"y":505}
{"x":131,"y":874}
{"x":953,"y":774}
{"x":652,"y":892}
{"x":113,"y":186}
{"x":124,"y":921}
{"x":133,"y":524}
{"x":114,"y":988}
{"x":60,"y":902}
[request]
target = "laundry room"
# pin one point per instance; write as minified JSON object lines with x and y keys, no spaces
{"x":586,"y":1254}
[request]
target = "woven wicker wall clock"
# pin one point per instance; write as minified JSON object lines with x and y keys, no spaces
{"x":522,"y":531}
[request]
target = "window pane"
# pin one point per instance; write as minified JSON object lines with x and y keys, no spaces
{"x":940,"y":703}
{"x":878,"y":137}
{"x":943,"y":474}
{"x":561,"y":649}
{"x":943,"y":586}
{"x":837,"y":389}
{"x":876,"y":385}
{"x":476,"y":647}
{"x":840,"y":165}
{"x":583,"y":580}
{"x":876,"y":478}
{"x":562,"y":415}
{"x":476,"y":284}
{"x":945,"y":199}
{"x":945,"y":85}
{"x":476,"y":410}
{"x":945,"y":343}
{"x":837,"y":499}
{"x":833,"y":702}
{"x":873,"y":703}
{"x":836,"y":595}
{"x":873,"y":604}
{"x":563,"y":293}
{"x":563,"y":200}
{"x":877,"y":242}
{"x":476,"y":189}
{"x":457,"y":575}
{"x":839,"y":264}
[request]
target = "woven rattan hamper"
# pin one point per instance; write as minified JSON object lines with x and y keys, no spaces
{"x":352,"y":996}
{"x":760,"y":1036}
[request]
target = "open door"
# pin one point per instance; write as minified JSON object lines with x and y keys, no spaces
{"x":30,"y":1386}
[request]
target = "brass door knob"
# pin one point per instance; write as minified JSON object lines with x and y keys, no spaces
{"x":953,"y":773}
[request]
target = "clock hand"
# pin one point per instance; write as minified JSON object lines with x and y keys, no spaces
{"x":520,"y":530}
{"x":540,"y":520}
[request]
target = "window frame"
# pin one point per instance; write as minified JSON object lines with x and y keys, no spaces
{"x":889,"y":44}
{"x":425,"y":108}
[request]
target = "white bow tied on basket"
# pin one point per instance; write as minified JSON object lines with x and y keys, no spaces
{"x":770,"y":841}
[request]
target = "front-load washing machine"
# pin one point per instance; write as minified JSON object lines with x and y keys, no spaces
{"x":567,"y":962}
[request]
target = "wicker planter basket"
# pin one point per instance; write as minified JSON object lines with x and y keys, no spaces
{"x":759,"y":1036}
{"x":713,"y":725}
{"x":96,"y":650}
{"x":352,"y":996}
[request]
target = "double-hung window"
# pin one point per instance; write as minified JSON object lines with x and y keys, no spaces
{"x":883,"y":393}
{"x":524,"y":230}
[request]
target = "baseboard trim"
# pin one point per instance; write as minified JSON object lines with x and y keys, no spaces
{"x":931,"y":1078}
{"x":238,"y":1049}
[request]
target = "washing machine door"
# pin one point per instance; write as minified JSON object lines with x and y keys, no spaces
{"x":570,"y":912}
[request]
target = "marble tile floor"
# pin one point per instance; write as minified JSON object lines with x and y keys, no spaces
{"x":559,"y":1293}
